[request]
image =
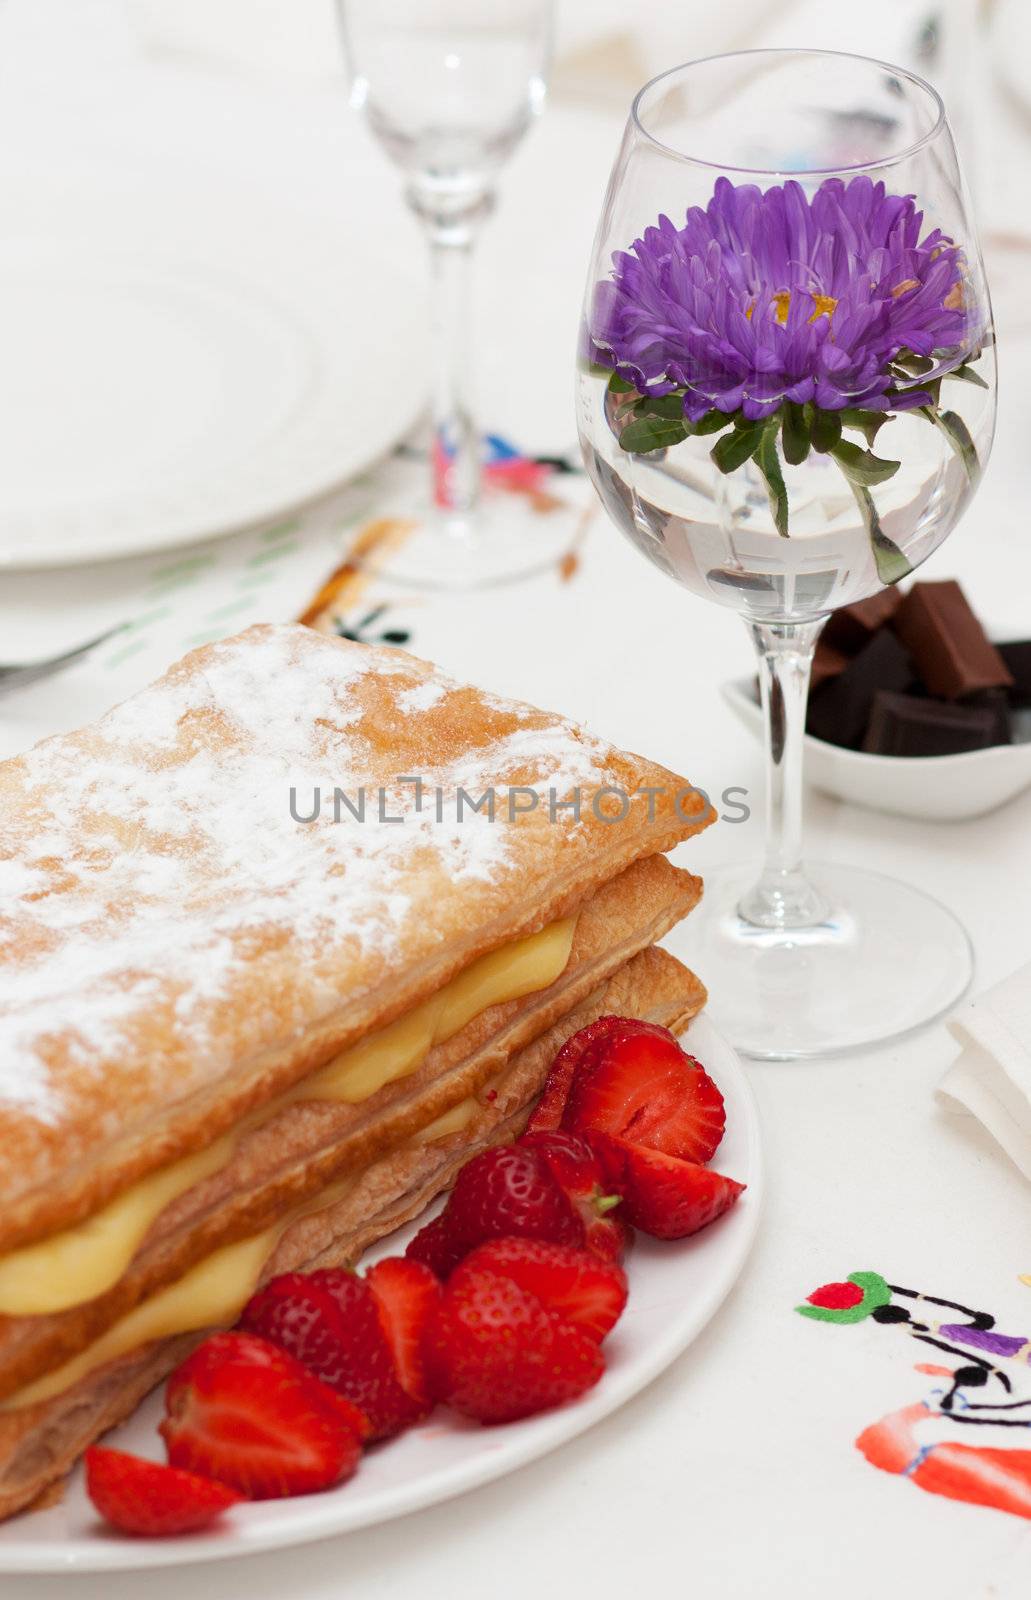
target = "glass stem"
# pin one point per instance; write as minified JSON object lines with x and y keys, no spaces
{"x":783,"y":897}
{"x":451,"y":232}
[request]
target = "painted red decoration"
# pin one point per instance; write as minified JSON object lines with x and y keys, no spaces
{"x":836,"y":1296}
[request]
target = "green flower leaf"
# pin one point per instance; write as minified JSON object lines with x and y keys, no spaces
{"x":862,"y":466}
{"x":768,"y":463}
{"x":967,"y":374}
{"x":891,"y":564}
{"x":826,"y":428}
{"x":660,"y":405}
{"x":868,"y":423}
{"x":713,"y":422}
{"x":652,"y":433}
{"x":618,"y":385}
{"x":796,"y":434}
{"x":912,"y":364}
{"x":951,"y":424}
{"x":734,"y":449}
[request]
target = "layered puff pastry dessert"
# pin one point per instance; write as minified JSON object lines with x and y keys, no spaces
{"x":234,"y":1043}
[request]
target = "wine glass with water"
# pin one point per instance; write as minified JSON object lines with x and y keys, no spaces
{"x":786,"y":396}
{"x":449,"y":87}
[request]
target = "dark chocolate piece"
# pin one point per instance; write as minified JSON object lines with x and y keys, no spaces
{"x":907,"y":725}
{"x":827,"y":663}
{"x":852,"y":627}
{"x":1017,"y":656}
{"x":840,"y":709}
{"x":952,"y":653}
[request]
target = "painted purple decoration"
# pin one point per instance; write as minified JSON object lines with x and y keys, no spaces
{"x":995,"y":1344}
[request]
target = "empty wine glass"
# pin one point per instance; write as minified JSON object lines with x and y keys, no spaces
{"x":786,"y":395}
{"x":449,"y":87}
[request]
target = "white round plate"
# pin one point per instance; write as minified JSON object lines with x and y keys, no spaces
{"x":674,"y":1290}
{"x":180,"y":364}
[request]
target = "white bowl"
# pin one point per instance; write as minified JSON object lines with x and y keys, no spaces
{"x":935,"y":788}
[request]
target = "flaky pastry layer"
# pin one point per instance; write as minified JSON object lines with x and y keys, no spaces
{"x":177,"y":949}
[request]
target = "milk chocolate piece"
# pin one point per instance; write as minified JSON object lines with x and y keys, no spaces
{"x":951,"y":652}
{"x":1017,"y":656}
{"x":912,"y":725}
{"x":840,"y":709}
{"x":852,"y":627}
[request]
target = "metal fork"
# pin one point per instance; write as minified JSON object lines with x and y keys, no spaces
{"x":17,"y":675}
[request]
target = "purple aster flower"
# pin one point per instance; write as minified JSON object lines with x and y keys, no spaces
{"x":767,"y":296}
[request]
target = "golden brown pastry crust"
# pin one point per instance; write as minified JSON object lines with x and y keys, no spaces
{"x":176,"y":950}
{"x":39,"y":1443}
{"x":306,"y":1146}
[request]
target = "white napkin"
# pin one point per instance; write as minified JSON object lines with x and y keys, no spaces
{"x":992,"y":1077}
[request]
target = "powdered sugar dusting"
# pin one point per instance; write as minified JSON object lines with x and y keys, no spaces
{"x":151,"y":870}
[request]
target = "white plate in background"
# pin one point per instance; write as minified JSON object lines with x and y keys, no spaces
{"x":674,"y":1290}
{"x":181,"y":359}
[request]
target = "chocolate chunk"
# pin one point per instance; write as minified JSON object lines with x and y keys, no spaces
{"x":1017,"y":656}
{"x":852,"y":627}
{"x":840,"y":709}
{"x":827,"y":663}
{"x":952,"y":654}
{"x":909,"y":725}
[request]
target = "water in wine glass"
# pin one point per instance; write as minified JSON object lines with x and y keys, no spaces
{"x":715,"y":533}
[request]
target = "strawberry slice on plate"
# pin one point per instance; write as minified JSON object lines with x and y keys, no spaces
{"x":579,"y":1048}
{"x":435,"y":1247}
{"x":406,"y":1294}
{"x":509,"y":1191}
{"x":330,"y":1322}
{"x":245,"y":1412}
{"x":148,"y":1498}
{"x":496,"y":1354}
{"x":644,"y":1088}
{"x":663,"y":1196}
{"x":579,"y":1287}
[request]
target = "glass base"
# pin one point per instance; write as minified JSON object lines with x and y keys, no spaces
{"x":503,"y":541}
{"x":884,"y":960}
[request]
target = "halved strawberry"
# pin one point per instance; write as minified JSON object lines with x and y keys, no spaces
{"x":664,"y":1196}
{"x":406,"y":1293}
{"x":577,"y":1168}
{"x":330,"y":1322}
{"x":579,"y":1047}
{"x":146,"y":1497}
{"x":495,"y":1353}
{"x":578,"y":1286}
{"x":643,"y":1087}
{"x":243,"y":1411}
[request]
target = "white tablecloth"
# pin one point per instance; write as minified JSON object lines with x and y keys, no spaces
{"x":736,"y":1474}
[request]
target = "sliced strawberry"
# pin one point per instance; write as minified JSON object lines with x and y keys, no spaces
{"x":663,"y":1196}
{"x":547,"y":1113}
{"x":577,"y":1286}
{"x":406,"y":1294}
{"x":495,"y":1353}
{"x":145,"y":1497}
{"x":509,"y":1191}
{"x":644,"y":1088}
{"x":435,"y":1248}
{"x":330,"y":1322}
{"x":577,"y":1168}
{"x":243,"y":1411}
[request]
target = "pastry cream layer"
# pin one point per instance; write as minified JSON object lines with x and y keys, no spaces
{"x":82,"y":1262}
{"x":212,"y":1294}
